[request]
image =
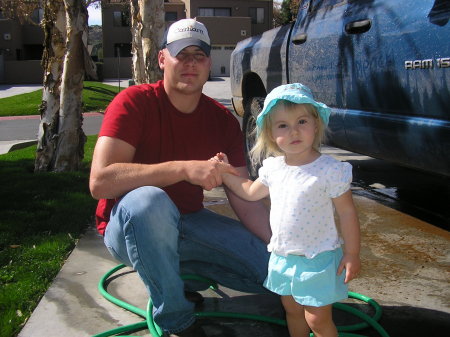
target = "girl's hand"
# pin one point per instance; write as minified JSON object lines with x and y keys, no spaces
{"x":352,"y":265}
{"x":220,"y":157}
{"x":223,"y":164}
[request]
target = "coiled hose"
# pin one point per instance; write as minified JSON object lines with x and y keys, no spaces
{"x":155,"y":331}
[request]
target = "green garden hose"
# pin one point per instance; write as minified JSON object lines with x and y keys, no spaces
{"x":156,"y":331}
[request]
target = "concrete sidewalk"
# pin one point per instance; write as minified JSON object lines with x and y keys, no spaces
{"x":7,"y":90}
{"x":11,"y":145}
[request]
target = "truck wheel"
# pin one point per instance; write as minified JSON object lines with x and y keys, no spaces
{"x":252,"y":109}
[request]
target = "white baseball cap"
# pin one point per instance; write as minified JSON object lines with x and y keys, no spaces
{"x":185,"y":33}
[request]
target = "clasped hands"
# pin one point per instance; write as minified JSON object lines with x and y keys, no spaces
{"x":208,"y":174}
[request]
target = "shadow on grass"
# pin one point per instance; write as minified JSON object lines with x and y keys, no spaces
{"x":97,"y":97}
{"x":101,"y":90}
{"x":42,"y":215}
{"x":41,"y":203}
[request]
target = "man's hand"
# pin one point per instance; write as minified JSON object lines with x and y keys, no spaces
{"x":207,"y":174}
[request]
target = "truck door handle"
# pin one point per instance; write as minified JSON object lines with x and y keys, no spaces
{"x":299,"y":39}
{"x":358,"y":27}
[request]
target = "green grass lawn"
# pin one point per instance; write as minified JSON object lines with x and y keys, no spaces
{"x":96,"y":96}
{"x":42,"y":215}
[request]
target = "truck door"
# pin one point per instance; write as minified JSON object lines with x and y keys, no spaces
{"x":382,"y":66}
{"x":314,"y":55}
{"x":395,"y":91}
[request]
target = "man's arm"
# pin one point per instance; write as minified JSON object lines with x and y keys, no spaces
{"x":113,"y":173}
{"x":253,"y":214}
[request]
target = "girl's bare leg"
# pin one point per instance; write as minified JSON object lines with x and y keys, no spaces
{"x":295,"y":317}
{"x":320,"y":321}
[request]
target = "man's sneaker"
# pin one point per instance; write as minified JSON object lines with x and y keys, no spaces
{"x":194,"y":297}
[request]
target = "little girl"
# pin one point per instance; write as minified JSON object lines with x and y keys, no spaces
{"x":307,"y":262}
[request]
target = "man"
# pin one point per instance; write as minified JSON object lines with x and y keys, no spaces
{"x":149,"y":169}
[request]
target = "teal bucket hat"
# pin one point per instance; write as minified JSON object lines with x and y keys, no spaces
{"x":295,"y":93}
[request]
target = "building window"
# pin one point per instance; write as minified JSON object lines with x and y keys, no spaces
{"x":257,"y":14}
{"x":121,"y":19}
{"x":171,"y":16}
{"x":123,"y":48}
{"x":32,"y":51}
{"x":203,"y":11}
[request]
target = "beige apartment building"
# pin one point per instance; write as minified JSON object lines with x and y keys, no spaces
{"x":228,"y":22}
{"x":21,"y":50}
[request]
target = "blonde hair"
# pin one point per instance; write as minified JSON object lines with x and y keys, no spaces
{"x":265,"y":146}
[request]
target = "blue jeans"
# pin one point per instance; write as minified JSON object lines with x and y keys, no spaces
{"x":147,"y":232}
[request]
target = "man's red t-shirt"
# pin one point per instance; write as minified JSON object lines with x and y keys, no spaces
{"x":143,"y":116}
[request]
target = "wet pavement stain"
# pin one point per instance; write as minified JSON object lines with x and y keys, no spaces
{"x":406,"y":269}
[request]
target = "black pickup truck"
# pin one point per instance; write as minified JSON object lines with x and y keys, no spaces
{"x":383,"y":66}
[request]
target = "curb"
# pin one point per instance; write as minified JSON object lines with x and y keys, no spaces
{"x":9,"y":146}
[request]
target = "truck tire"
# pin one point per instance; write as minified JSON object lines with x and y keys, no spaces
{"x":252,"y":109}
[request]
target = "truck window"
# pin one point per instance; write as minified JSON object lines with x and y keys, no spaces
{"x":319,"y":4}
{"x":440,"y":13}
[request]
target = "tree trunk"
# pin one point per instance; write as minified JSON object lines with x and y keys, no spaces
{"x":61,"y":138}
{"x":147,"y":32}
{"x":54,"y":26}
{"x":138,"y":67}
{"x":71,"y":138}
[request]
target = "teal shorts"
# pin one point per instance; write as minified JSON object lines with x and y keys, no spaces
{"x":311,"y":282}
